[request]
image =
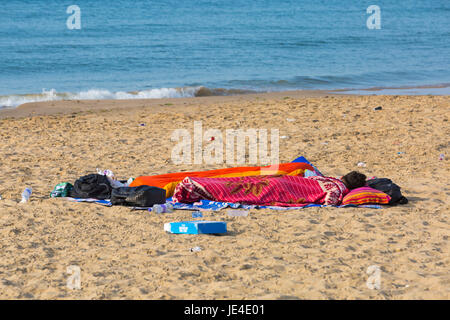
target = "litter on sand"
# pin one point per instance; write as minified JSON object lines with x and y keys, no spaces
{"x":197,"y":214}
{"x":161,"y":208}
{"x":361,"y":164}
{"x":26,"y":194}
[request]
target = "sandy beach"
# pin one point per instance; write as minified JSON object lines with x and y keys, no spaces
{"x":313,"y":253}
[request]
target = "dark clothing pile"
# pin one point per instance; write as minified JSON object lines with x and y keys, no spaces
{"x":97,"y":186}
{"x":387,"y":186}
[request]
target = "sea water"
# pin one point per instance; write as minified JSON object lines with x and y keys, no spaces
{"x":128,"y":49}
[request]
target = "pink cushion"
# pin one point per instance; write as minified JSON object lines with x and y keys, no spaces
{"x":366,"y":195}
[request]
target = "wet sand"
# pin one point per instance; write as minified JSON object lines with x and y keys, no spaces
{"x":314,"y":253}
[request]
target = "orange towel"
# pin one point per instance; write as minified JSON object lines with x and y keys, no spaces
{"x":170,"y":180}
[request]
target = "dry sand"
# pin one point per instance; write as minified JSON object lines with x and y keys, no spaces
{"x":315,"y":253}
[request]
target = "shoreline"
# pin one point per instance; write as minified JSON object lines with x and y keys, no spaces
{"x":74,"y":106}
{"x":53,"y":107}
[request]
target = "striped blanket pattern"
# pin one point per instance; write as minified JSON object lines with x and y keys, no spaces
{"x":272,"y":190}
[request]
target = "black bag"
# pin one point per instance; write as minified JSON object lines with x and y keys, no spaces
{"x":142,"y":196}
{"x":92,"y":186}
{"x":387,"y":186}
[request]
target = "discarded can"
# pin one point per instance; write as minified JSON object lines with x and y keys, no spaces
{"x":441,"y":156}
{"x":196,"y":249}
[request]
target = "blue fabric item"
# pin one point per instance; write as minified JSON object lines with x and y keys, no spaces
{"x":207,"y":205}
{"x":301,"y":159}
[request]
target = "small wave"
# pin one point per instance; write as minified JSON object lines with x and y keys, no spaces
{"x":12,"y":101}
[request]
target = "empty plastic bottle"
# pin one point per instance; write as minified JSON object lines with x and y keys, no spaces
{"x":162,"y":208}
{"x":26,"y":195}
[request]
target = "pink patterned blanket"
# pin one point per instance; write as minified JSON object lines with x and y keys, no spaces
{"x":282,"y":190}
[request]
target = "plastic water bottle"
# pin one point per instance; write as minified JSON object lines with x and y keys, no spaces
{"x":162,"y":208}
{"x":26,"y":195}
